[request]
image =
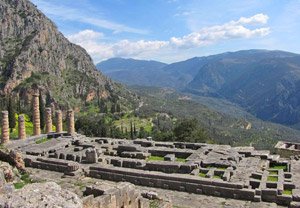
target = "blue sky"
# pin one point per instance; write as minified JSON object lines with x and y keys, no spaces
{"x":175,"y":30}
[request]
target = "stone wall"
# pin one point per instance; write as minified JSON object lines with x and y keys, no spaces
{"x":187,"y":184}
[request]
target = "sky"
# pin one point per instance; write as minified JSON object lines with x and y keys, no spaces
{"x":175,"y":30}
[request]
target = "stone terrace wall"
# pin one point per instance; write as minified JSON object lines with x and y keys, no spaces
{"x":187,"y":184}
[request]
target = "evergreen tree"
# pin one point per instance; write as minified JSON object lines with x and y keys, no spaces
{"x":19,"y":105}
{"x":142,"y":132}
{"x":131,"y":130}
{"x":134,"y":130}
{"x":42,"y":111}
{"x":118,"y":109}
{"x":11,"y":114}
{"x":48,"y":100}
{"x":113,"y":108}
{"x":105,"y":109}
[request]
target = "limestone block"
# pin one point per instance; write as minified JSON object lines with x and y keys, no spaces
{"x":296,"y":195}
{"x":91,"y":155}
{"x":170,"y":157}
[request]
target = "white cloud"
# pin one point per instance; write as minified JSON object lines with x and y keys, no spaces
{"x":85,"y":35}
{"x":99,"y":50}
{"x":256,"y":19}
{"x":231,"y":30}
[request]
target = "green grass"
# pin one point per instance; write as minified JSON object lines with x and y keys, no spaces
{"x":272,"y":178}
{"x":155,"y":158}
{"x":217,"y":176}
{"x":203,"y":175}
{"x":178,"y":159}
{"x":154,"y":204}
{"x":25,"y":179}
{"x":124,"y":123}
{"x":278,"y":167}
{"x":42,"y":140}
{"x":19,"y":185}
{"x":287,"y":192}
{"x":273,"y":172}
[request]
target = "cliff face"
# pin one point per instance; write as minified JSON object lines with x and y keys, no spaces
{"x":34,"y":53}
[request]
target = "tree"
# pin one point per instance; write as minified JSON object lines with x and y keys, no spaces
{"x":188,"y":130}
{"x":113,"y":108}
{"x":118,"y":109}
{"x":134,"y":130}
{"x":11,"y":114}
{"x":131,"y":130}
{"x":42,"y":111}
{"x":142,"y":132}
{"x":48,"y":100}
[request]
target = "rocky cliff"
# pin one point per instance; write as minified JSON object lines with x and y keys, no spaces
{"x":33,"y":53}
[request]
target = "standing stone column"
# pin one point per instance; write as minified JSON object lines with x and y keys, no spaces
{"x":70,"y":122}
{"x":59,"y":126}
{"x":48,"y":120}
{"x":22,"y":130}
{"x":36,"y":115}
{"x":5,"y":127}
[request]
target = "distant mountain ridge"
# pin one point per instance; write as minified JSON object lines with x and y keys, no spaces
{"x":265,"y":83}
{"x":126,"y":70}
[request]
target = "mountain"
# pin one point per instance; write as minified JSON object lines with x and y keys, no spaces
{"x":34,"y":53}
{"x":265,"y":83}
{"x":126,"y":71}
{"x":226,"y":123}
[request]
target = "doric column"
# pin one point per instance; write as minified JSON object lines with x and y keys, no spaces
{"x":48,"y":120}
{"x":59,"y":127}
{"x":5,"y":127}
{"x":70,"y":122}
{"x":22,"y":130}
{"x":36,"y":115}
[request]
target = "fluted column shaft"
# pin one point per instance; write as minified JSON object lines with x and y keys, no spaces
{"x":48,"y":120}
{"x":70,"y":122}
{"x":5,"y":127}
{"x":59,"y":126}
{"x":36,"y":115}
{"x":22,"y":129}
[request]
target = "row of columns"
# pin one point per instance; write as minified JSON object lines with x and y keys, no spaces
{"x":36,"y":122}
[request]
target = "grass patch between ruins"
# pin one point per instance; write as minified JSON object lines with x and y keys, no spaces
{"x":178,"y":159}
{"x":287,"y":192}
{"x":155,"y":158}
{"x":278,"y":167}
{"x":273,"y":172}
{"x":154,"y":204}
{"x":203,"y":175}
{"x":42,"y":140}
{"x":25,"y":179}
{"x":272,"y":178}
{"x":217,"y":177}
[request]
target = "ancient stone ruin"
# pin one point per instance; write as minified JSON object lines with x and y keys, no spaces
{"x":36,"y":115}
{"x":241,"y":173}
